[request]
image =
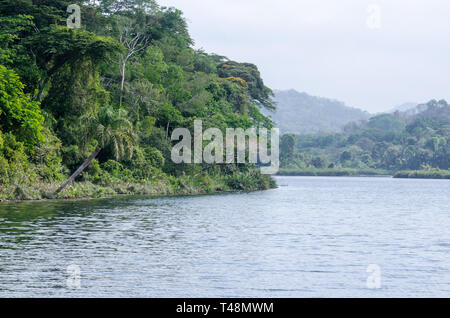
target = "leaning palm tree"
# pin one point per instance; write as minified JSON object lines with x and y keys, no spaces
{"x":112,"y":129}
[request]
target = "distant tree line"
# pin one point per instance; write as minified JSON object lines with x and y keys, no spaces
{"x":390,"y":142}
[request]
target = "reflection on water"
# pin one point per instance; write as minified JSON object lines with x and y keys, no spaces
{"x":312,"y":237}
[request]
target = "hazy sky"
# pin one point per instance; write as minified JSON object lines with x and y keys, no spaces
{"x":338,"y":49}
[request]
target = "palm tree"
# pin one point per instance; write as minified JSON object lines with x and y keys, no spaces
{"x":113,"y":130}
{"x":116,"y":131}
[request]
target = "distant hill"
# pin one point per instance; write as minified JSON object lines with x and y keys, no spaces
{"x":403,"y":107}
{"x":437,"y":111}
{"x":300,"y":113}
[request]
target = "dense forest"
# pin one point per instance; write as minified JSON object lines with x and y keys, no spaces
{"x":414,"y":140}
{"x":122,"y":82}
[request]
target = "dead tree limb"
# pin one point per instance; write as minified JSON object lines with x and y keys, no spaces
{"x":80,"y":170}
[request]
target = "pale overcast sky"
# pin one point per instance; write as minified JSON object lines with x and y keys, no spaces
{"x":336,"y":49}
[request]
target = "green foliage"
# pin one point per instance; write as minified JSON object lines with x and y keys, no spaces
{"x":250,"y":74}
{"x":331,"y":172}
{"x":47,"y":159}
{"x":18,"y":113}
{"x":249,"y":180}
{"x":15,"y":168}
{"x":14,"y":53}
{"x":424,"y":174}
{"x":60,"y":45}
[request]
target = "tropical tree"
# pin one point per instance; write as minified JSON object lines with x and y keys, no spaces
{"x":257,"y":91}
{"x":115,"y":132}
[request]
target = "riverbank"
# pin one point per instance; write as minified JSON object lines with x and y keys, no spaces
{"x":164,"y":185}
{"x":406,"y":174}
{"x":423,"y":174}
{"x":333,"y":172}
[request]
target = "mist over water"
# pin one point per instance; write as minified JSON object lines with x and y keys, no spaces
{"x":311,"y":237}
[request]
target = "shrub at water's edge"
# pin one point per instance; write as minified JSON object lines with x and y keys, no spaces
{"x":104,"y":184}
{"x":343,"y":172}
{"x":423,"y":174}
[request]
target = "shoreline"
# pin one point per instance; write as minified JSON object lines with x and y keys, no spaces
{"x":335,"y":172}
{"x":131,"y":196}
{"x":338,"y":176}
{"x":181,"y":186}
{"x":433,"y":174}
{"x":86,"y":190}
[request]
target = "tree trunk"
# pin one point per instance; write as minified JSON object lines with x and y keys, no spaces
{"x":80,"y":170}
{"x":167,"y":129}
{"x":122,"y":84}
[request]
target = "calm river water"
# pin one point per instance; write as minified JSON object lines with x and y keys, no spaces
{"x":311,"y":237}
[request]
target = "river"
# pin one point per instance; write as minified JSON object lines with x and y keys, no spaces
{"x":311,"y":237}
